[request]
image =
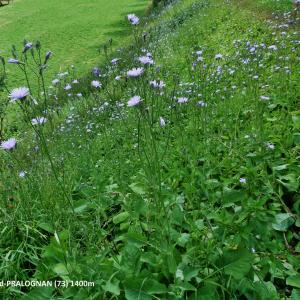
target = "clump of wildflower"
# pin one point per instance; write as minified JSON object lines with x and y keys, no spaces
{"x":134,"y":101}
{"x":133,"y":19}
{"x":96,"y":84}
{"x":19,"y":94}
{"x":9,"y":145}
{"x":135,"y":72}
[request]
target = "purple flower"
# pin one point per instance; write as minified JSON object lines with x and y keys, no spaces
{"x":114,"y":61}
{"x":182,"y":100}
{"x":38,"y":121}
{"x":270,"y":146}
{"x":14,"y":61}
{"x":96,"y":84}
{"x":9,"y":144}
{"x":118,"y":78}
{"x":264,"y":98}
{"x":272,"y":47}
{"x":133,"y":19}
{"x":146,"y":60}
{"x":219,"y":56}
{"x":19,"y":94}
{"x":202,"y":104}
{"x":157,"y":84}
{"x":55,"y":81}
{"x":134,"y":101}
{"x":243,"y":180}
{"x":96,"y":72}
{"x":135,"y":72}
{"x":22,"y":174}
{"x":67,"y":87}
{"x":48,"y":55}
{"x":162,"y":122}
{"x":27,"y":47}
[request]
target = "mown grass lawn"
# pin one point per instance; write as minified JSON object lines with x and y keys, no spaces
{"x":72,"y":29}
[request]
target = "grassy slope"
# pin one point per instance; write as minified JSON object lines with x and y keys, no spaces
{"x":72,"y":29}
{"x":200,"y":157}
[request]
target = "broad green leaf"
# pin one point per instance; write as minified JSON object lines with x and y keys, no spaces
{"x":121,"y":217}
{"x":294,"y":281}
{"x":60,"y":269}
{"x":295,"y":294}
{"x":81,"y":206}
{"x":46,"y":226}
{"x":137,"y":188}
{"x":112,"y":286}
{"x":283,"y":222}
{"x":39,"y":293}
{"x":237,"y":263}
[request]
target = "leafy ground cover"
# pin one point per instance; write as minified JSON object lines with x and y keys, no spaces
{"x":171,"y":173}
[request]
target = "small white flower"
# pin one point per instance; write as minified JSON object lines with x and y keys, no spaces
{"x":19,"y":94}
{"x":219,"y":56}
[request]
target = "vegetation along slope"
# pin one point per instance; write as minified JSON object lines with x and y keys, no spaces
{"x":169,"y":172}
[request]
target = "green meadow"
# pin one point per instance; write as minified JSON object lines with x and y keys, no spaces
{"x":74,"y":30}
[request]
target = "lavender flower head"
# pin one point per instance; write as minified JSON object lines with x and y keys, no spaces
{"x":67,"y":87}
{"x":134,"y":101}
{"x":133,"y":19}
{"x":135,"y":72}
{"x":8,"y":145}
{"x":146,"y":60}
{"x":96,"y":72}
{"x":182,"y":100}
{"x":96,"y":84}
{"x":115,"y":61}
{"x":14,"y":61}
{"x":159,"y":84}
{"x":38,"y":121}
{"x":162,"y":122}
{"x":27,"y":47}
{"x":19,"y":94}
